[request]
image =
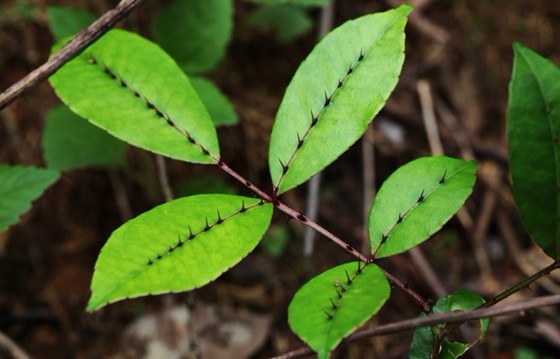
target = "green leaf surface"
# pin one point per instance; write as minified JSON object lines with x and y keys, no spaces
{"x":416,"y":201}
{"x":19,"y":186}
{"x":534,"y":149}
{"x":220,"y":109}
{"x":330,"y":307}
{"x":65,"y":21}
{"x":128,"y":86}
{"x":291,"y":2}
{"x":178,"y":246}
{"x":195,"y":33}
{"x":460,"y":300}
{"x":70,"y":141}
{"x":335,"y":94}
{"x":287,"y":21}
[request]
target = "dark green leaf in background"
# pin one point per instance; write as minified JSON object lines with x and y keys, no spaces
{"x":70,"y":141}
{"x":19,"y":186}
{"x":333,"y":304}
{"x":416,"y":201}
{"x":178,"y":246}
{"x":288,"y":22}
{"x":217,"y":104}
{"x":335,"y":94}
{"x":534,"y":146}
{"x":128,"y":86}
{"x":195,"y":33}
{"x":65,"y":21}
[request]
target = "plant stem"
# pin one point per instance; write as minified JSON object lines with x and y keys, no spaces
{"x":423,"y":303}
{"x":498,"y":298}
{"x":438,"y":318}
{"x":72,"y":49}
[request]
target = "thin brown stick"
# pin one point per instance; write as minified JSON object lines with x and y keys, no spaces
{"x":13,"y":350}
{"x":163,"y":176}
{"x":439,"y":318}
{"x":72,"y":49}
{"x":368,"y":165}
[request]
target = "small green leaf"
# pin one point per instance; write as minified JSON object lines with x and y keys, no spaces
{"x":178,"y":246}
{"x":218,"y":105}
{"x":416,"y":201}
{"x":65,"y":21}
{"x":533,"y":133}
{"x":460,"y":300}
{"x":70,"y":142}
{"x":195,"y":32}
{"x":19,"y":186}
{"x":335,"y":94}
{"x":287,"y":21}
{"x":333,"y":304}
{"x":128,"y":86}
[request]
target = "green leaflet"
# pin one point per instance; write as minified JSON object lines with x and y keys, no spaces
{"x":533,"y":133}
{"x":422,"y":339}
{"x":287,"y":21}
{"x":335,"y":94}
{"x":416,"y":201}
{"x":329,"y":307}
{"x":195,"y":32}
{"x":220,"y":109}
{"x":19,"y":186}
{"x":70,"y":142}
{"x":128,"y":86}
{"x":178,"y":246}
{"x":65,"y":21}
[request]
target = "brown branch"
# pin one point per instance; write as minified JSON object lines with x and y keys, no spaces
{"x":72,"y":49}
{"x":440,"y":318}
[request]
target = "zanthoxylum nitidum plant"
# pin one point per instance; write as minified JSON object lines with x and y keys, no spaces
{"x":131,"y":88}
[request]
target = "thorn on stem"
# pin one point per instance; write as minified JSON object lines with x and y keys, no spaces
{"x":348,"y":280}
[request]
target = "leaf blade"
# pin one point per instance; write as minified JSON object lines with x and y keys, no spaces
{"x":335,"y":94}
{"x":315,"y":320}
{"x":128,"y":86}
{"x":533,"y":127}
{"x":19,"y":187}
{"x":152,"y":254}
{"x":415,"y":202}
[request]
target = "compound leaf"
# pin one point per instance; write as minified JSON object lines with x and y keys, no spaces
{"x":335,"y":94}
{"x":333,"y":304}
{"x":218,"y":105}
{"x":416,"y":201}
{"x":460,"y":300}
{"x":128,"y":86}
{"x":69,"y":141}
{"x":65,"y":21}
{"x":178,"y":246}
{"x":195,"y":32}
{"x":534,"y":148}
{"x":19,"y":186}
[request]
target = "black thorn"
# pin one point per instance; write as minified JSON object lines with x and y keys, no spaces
{"x":334,"y":306}
{"x":205,"y":151}
{"x":359,"y":267}
{"x":329,"y":315}
{"x":150,"y":105}
{"x":189,"y":137}
{"x":180,"y":244}
{"x":443,"y":177}
{"x":284,"y":167}
{"x":349,"y":248}
{"x":207,"y":227}
{"x":159,"y":256}
{"x":159,"y":113}
{"x":243,"y":209}
{"x":220,"y":220}
{"x":191,"y":234}
{"x":300,"y":142}
{"x":135,"y":93}
{"x":400,"y":218}
{"x":313,"y":119}
{"x":150,"y":262}
{"x":421,"y":198}
{"x":261,"y":202}
{"x":92,"y":60}
{"x":361,"y":56}
{"x":122,"y":83}
{"x":339,"y":84}
{"x":301,"y":217}
{"x":349,"y":281}
{"x":220,"y":162}
{"x":383,"y":238}
{"x":171,"y":249}
{"x":350,"y":69}
{"x":327,"y":99}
